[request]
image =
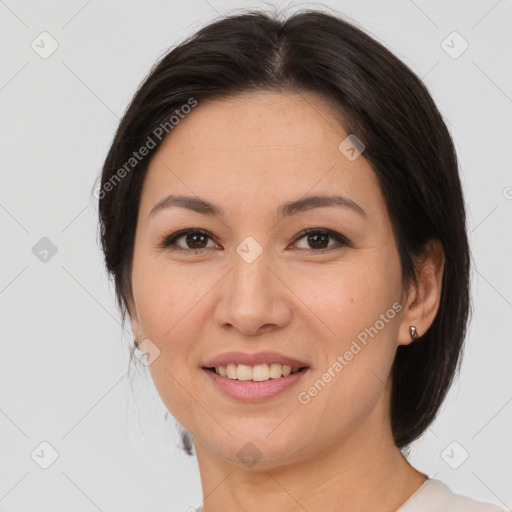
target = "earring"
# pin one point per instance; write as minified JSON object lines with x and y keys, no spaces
{"x":136,"y":341}
{"x":413,"y":332}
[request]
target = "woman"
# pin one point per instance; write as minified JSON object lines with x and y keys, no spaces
{"x":283,"y":218}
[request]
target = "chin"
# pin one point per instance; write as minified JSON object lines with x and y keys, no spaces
{"x":253,"y":451}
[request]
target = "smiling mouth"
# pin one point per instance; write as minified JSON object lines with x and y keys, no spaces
{"x":257,"y":373}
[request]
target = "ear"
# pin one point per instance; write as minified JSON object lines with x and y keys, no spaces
{"x":423,"y":298}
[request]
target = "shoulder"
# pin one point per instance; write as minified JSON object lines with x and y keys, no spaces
{"x":435,"y":496}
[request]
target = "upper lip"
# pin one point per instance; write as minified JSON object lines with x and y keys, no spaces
{"x":252,"y":359}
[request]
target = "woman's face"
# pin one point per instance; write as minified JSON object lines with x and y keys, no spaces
{"x":256,"y":283}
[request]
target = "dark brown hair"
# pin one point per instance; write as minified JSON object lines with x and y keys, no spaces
{"x":389,"y":109}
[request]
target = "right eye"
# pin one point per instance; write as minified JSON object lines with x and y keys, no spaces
{"x":194,"y":239}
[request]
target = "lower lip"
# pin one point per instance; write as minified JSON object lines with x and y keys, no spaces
{"x":252,"y":391}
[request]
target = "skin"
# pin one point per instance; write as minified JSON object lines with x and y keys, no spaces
{"x":248,"y":154}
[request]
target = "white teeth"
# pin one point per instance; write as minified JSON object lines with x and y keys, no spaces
{"x":275,"y":370}
{"x":259,"y":372}
{"x":286,"y":370}
{"x":231,"y":372}
{"x":243,"y":372}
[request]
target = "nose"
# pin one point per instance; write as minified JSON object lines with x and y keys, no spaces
{"x":254,"y":298}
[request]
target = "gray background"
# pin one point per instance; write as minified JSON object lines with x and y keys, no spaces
{"x":64,"y":363}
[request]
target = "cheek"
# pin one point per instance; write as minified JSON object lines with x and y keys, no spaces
{"x":355,"y":308}
{"x":165,"y":296}
{"x":349,"y":297}
{"x":169,"y":318}
{"x":163,"y":320}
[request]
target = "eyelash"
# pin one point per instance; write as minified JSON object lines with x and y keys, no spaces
{"x":169,"y":241}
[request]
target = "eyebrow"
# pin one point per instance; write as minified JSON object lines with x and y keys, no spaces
{"x":204,"y":207}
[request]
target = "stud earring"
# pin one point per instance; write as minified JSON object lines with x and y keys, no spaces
{"x":136,"y":341}
{"x":413,"y":332}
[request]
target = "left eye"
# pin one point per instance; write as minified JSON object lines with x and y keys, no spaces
{"x":318,"y":238}
{"x":197,"y":239}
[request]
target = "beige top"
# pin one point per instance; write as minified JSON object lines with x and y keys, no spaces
{"x":435,"y":496}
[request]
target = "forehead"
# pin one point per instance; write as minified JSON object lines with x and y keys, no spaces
{"x":270,"y":143}
{"x":259,"y":123}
